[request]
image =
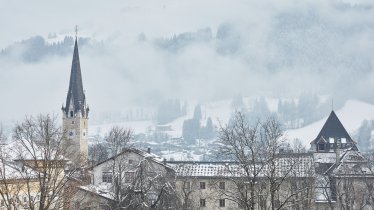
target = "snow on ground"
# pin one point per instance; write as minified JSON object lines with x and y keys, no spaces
{"x":219,"y":111}
{"x":136,"y":126}
{"x":351,"y":115}
{"x":272,"y":104}
{"x":180,"y":156}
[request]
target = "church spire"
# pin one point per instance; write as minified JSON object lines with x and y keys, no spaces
{"x":75,"y":114}
{"x":76,"y":99}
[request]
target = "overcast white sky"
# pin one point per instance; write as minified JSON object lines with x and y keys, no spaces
{"x":286,"y":47}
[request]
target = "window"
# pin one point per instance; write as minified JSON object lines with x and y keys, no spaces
{"x":25,"y":199}
{"x":71,"y":114}
{"x":107,"y":177}
{"x":277,"y":203}
{"x":221,"y":202}
{"x":331,"y":140}
{"x":202,"y":202}
{"x":344,"y":140}
{"x":186,"y":185}
{"x":131,"y":162}
{"x":262,"y":202}
{"x":202,"y":185}
{"x":173,"y":184}
{"x":103,"y":207}
{"x":263,"y":185}
{"x":152,"y":174}
{"x":222,"y":185}
{"x":129,"y":177}
{"x":321,"y":146}
{"x":76,"y":205}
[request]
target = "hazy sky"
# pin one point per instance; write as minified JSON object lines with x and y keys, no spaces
{"x":280,"y":48}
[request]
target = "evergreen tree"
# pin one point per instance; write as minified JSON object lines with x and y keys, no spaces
{"x":364,"y":135}
{"x":207,"y":132}
{"x":184,"y":109}
{"x":191,"y":130}
{"x":197,"y":113}
{"x":260,"y":110}
{"x":168,"y":111}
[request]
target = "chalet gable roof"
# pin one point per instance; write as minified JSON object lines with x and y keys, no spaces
{"x":144,"y":154}
{"x":333,"y":128}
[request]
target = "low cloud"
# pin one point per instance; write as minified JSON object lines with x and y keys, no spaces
{"x":141,"y":52}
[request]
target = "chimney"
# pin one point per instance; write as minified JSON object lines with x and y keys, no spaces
{"x":337,"y":152}
{"x":149,"y":150}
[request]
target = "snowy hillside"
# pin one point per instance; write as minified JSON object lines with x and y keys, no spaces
{"x":219,"y":111}
{"x":351,"y":115}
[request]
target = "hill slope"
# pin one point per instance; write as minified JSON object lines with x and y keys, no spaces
{"x":351,"y":115}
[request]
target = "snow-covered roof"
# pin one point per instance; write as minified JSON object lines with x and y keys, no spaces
{"x":352,"y":163}
{"x":206,"y":169}
{"x":10,"y":170}
{"x":234,"y":169}
{"x":27,"y":151}
{"x":325,"y":157}
{"x":148,"y":155}
{"x":102,"y":190}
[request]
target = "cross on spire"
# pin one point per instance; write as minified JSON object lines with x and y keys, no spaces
{"x":76,"y":31}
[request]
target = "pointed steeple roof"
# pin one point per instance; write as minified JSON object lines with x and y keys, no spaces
{"x":75,"y":94}
{"x":333,"y":128}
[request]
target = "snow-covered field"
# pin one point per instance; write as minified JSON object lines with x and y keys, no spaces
{"x":219,"y":111}
{"x":352,"y":114}
{"x":136,"y":126}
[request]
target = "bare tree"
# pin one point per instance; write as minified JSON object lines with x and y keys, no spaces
{"x":3,"y":138}
{"x":189,"y":186}
{"x":118,"y":138}
{"x":98,"y":152}
{"x":12,"y":180}
{"x":261,"y":174}
{"x":40,"y":144}
{"x":136,"y":183}
{"x":240,"y":142}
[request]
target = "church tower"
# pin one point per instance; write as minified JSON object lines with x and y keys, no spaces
{"x":75,"y":113}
